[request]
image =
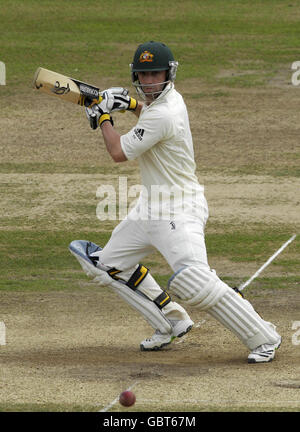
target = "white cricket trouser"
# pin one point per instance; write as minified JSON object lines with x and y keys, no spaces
{"x":180,"y":240}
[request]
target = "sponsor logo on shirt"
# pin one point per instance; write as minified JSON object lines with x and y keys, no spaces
{"x":139,"y":133}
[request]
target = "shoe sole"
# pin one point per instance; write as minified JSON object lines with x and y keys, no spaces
{"x":157,"y":348}
{"x":252,"y":361}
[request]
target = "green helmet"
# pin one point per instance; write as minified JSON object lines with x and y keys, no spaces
{"x":153,"y":56}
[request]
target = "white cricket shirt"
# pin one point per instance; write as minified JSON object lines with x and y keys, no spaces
{"x":162,"y":143}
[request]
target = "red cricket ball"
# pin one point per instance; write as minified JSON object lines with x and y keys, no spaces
{"x":127,"y":398}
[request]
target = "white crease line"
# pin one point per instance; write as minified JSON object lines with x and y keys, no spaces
{"x":243,"y":285}
{"x":199,"y":323}
{"x":182,"y":339}
{"x":111,"y":404}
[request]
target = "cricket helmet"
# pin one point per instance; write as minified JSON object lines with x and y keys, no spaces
{"x":153,"y":56}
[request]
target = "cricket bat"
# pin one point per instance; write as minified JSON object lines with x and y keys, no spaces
{"x":65,"y":88}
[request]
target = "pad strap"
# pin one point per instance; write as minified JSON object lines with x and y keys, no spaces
{"x":113,"y":273}
{"x":162,"y":300}
{"x":238,"y":291}
{"x":137,"y":277}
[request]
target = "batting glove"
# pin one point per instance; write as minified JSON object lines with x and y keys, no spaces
{"x":99,"y":113}
{"x":118,"y":99}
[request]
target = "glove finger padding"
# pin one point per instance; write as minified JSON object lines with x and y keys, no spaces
{"x":109,"y":94}
{"x":110,"y":101}
{"x":99,"y":113}
{"x":118,"y":99}
{"x":121,"y":91}
{"x":123,"y":103}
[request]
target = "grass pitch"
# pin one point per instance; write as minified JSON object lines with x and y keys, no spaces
{"x":250,"y":40}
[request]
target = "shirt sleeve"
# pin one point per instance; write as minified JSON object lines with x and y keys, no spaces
{"x":150,"y":130}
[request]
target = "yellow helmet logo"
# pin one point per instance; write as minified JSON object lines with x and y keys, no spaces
{"x":146,"y":56}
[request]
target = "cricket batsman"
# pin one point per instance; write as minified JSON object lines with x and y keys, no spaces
{"x":172,"y":221}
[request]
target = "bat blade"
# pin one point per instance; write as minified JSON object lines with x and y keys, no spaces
{"x":65,"y":88}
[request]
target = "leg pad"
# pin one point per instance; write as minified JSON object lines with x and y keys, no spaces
{"x":200,"y":287}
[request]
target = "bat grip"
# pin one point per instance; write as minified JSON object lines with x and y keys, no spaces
{"x":93,"y":121}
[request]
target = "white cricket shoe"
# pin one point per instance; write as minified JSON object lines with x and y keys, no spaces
{"x":159,"y":340}
{"x":156,"y":342}
{"x":181,"y":327}
{"x":264,"y":353}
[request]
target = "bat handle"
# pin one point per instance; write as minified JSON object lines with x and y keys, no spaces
{"x":93,"y":121}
